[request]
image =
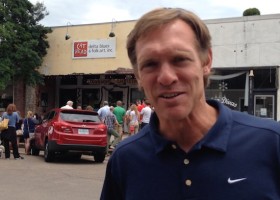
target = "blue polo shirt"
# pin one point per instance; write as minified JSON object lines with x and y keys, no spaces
{"x":239,"y":158}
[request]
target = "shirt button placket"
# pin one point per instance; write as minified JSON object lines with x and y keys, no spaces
{"x":186,"y":161}
{"x":188,"y":182}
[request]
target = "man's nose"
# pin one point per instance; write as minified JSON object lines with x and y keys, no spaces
{"x":166,"y":74}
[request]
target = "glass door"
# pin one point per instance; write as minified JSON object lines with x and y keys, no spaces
{"x":112,"y":95}
{"x":66,"y":95}
{"x":264,"y":106}
{"x":91,"y":97}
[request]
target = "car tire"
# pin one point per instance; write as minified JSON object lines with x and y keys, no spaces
{"x":99,"y":157}
{"x":48,"y":155}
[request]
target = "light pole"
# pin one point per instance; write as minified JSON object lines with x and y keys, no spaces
{"x":251,"y":96}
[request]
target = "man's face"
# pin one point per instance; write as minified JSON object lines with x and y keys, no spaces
{"x":170,"y":71}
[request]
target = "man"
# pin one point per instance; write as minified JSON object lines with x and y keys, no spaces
{"x":119,"y":111}
{"x":140,"y":105}
{"x":103,"y":111}
{"x":110,"y":121}
{"x":69,"y":105}
{"x":192,"y":148}
{"x":145,"y":114}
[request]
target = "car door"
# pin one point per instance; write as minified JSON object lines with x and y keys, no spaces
{"x":42,"y":130}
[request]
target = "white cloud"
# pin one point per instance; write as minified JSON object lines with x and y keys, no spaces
{"x":105,"y":13}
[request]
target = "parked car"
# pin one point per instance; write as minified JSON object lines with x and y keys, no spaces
{"x":70,"y":131}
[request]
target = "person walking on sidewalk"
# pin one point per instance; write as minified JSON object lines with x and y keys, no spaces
{"x":146,"y":113}
{"x":29,"y":124}
{"x":119,"y":111}
{"x":69,"y":105}
{"x":10,"y":135}
{"x":110,"y":121}
{"x":103,"y":111}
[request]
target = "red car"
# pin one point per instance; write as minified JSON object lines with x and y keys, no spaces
{"x":70,"y":130}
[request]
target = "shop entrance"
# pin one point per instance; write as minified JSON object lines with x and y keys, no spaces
{"x":66,"y":95}
{"x":116,"y":94}
{"x":91,"y":97}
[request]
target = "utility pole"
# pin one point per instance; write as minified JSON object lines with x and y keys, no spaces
{"x":251,"y":96}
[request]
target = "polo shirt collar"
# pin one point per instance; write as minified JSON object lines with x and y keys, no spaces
{"x":216,"y":138}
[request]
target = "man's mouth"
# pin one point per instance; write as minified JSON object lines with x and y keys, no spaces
{"x":168,"y":96}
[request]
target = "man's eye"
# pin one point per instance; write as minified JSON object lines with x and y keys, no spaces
{"x":180,"y":59}
{"x":149,"y":64}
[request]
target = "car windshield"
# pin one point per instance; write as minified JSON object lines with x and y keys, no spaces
{"x":79,"y":117}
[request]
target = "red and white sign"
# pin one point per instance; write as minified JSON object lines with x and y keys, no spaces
{"x":103,"y":48}
{"x":80,"y":49}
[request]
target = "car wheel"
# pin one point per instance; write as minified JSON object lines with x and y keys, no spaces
{"x":99,"y":157}
{"x":49,"y":155}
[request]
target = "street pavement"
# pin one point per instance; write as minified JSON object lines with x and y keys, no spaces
{"x":64,"y":179}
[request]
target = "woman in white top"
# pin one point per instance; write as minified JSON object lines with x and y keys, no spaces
{"x":134,"y":117}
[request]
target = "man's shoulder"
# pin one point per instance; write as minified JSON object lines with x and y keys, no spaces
{"x":66,"y":107}
{"x":119,"y":108}
{"x":245,"y":120}
{"x":256,"y":122}
{"x":147,"y":108}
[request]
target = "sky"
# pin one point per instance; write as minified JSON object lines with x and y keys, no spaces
{"x":74,"y":12}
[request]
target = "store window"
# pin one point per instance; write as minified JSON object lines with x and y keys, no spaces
{"x":136,"y":94}
{"x":66,"y":95}
{"x":264,"y":106}
{"x":91,"y":97}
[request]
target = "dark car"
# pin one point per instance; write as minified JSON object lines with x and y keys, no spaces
{"x":70,"y":131}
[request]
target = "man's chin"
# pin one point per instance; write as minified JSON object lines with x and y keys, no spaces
{"x":175,"y":115}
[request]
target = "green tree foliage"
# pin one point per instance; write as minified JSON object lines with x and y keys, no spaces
{"x":23,"y":41}
{"x":251,"y":11}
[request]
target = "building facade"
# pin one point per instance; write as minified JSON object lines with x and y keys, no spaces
{"x":89,"y":67}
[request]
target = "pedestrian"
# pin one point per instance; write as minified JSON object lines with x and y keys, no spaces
{"x":193,"y":148}
{"x":89,"y":107}
{"x":103,"y":111}
{"x":9,"y":135}
{"x":19,"y":130}
{"x":79,"y":107}
{"x":134,"y":118}
{"x":69,"y":105}
{"x":119,"y":111}
{"x":140,"y":105}
{"x":29,"y":124}
{"x":110,"y":121}
{"x":37,"y":118}
{"x":126,"y":121}
{"x":2,"y":148}
{"x":145,"y":114}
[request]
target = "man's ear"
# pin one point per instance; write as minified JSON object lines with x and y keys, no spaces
{"x":206,"y":70}
{"x":208,"y":64}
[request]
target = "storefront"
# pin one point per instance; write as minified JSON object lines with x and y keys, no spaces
{"x":93,"y":89}
{"x":233,"y":87}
